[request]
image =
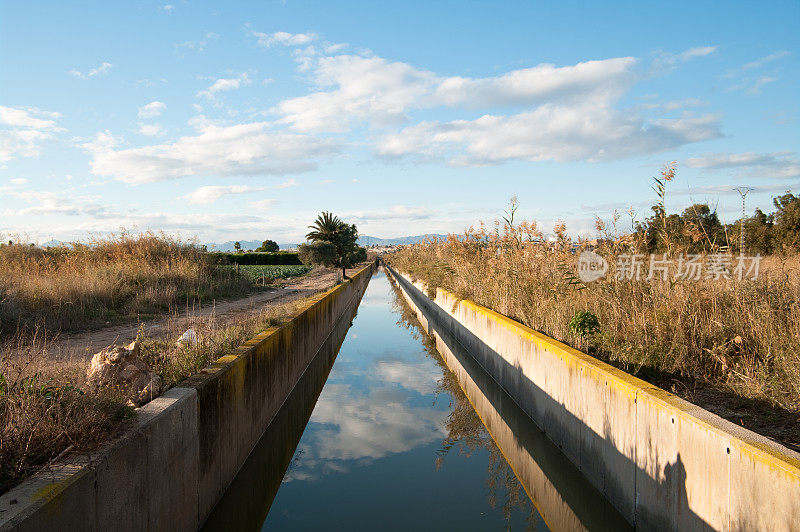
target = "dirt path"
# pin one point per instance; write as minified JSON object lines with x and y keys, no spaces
{"x":69,"y":348}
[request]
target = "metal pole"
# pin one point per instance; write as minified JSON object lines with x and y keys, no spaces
{"x":743,"y":193}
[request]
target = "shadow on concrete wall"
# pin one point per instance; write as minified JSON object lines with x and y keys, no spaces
{"x":248,"y":498}
{"x":672,"y":513}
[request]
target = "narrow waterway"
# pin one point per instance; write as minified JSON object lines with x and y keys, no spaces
{"x":383,"y":437}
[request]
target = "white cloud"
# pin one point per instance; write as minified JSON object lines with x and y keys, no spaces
{"x":359,"y":88}
{"x":675,"y":105}
{"x":573,"y":115}
{"x":152,"y":109}
{"x":352,"y":426}
{"x":47,"y":203}
{"x":698,"y":51}
{"x":151,"y":130}
{"x":420,"y":378}
{"x":242,"y":149}
{"x":551,"y":132}
{"x":333,"y":48}
{"x":225,"y":84}
{"x":752,"y":82}
{"x":287,"y":184}
{"x":728,"y":190}
{"x":591,"y":79}
{"x":167,"y":8}
{"x":18,"y":181}
{"x":758,"y":84}
{"x":667,"y":61}
{"x":263,"y":205}
{"x":200,"y":44}
{"x":28,"y":118}
{"x":282,"y":38}
{"x":396,"y":212}
{"x":766,"y":59}
{"x":782,"y":165}
{"x":90,"y":214}
{"x":102,"y":69}
{"x":210,"y":194}
{"x":23,"y":130}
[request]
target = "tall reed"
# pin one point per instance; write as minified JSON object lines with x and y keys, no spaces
{"x":741,"y":336}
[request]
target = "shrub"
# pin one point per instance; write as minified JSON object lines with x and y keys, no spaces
{"x":281,"y":258}
{"x":318,"y":254}
{"x":584,"y":324}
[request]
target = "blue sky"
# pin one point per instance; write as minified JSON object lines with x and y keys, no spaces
{"x":243,"y":121}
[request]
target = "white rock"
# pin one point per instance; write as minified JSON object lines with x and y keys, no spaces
{"x":120,"y":367}
{"x":189,"y":338}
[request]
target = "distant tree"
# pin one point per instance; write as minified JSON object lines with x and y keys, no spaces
{"x":695,"y":230}
{"x":359,"y":255}
{"x":701,"y":228}
{"x":343,"y":236}
{"x":758,"y":230}
{"x":787,"y":222}
{"x":237,"y":246}
{"x":268,"y":246}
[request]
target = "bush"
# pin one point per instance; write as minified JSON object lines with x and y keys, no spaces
{"x":584,"y":324}
{"x":281,"y":258}
{"x":318,"y":253}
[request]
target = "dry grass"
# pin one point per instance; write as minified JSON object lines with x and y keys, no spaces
{"x":118,"y":277}
{"x":216,"y":338}
{"x":45,"y":412}
{"x":739,"y":337}
{"x":46,"y":415}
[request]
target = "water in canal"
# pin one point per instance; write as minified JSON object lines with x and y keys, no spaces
{"x":382,"y":436}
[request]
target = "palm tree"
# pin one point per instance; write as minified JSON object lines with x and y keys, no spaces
{"x":325,"y":228}
{"x":329,"y":228}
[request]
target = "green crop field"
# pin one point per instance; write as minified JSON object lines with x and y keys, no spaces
{"x":256,"y":272}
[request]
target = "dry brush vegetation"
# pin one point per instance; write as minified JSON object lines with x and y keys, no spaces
{"x":730,"y":345}
{"x":119,"y":277}
{"x":46,"y":410}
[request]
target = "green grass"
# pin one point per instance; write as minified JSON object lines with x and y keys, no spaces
{"x":255,"y":272}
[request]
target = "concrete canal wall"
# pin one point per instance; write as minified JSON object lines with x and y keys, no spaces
{"x":168,"y":472}
{"x":664,"y":463}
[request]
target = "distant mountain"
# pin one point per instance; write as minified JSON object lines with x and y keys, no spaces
{"x":365,"y":240}
{"x":228,"y":246}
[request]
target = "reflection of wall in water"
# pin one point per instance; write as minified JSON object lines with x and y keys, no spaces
{"x":246,"y":502}
{"x":465,"y":431}
{"x":563,"y":496}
